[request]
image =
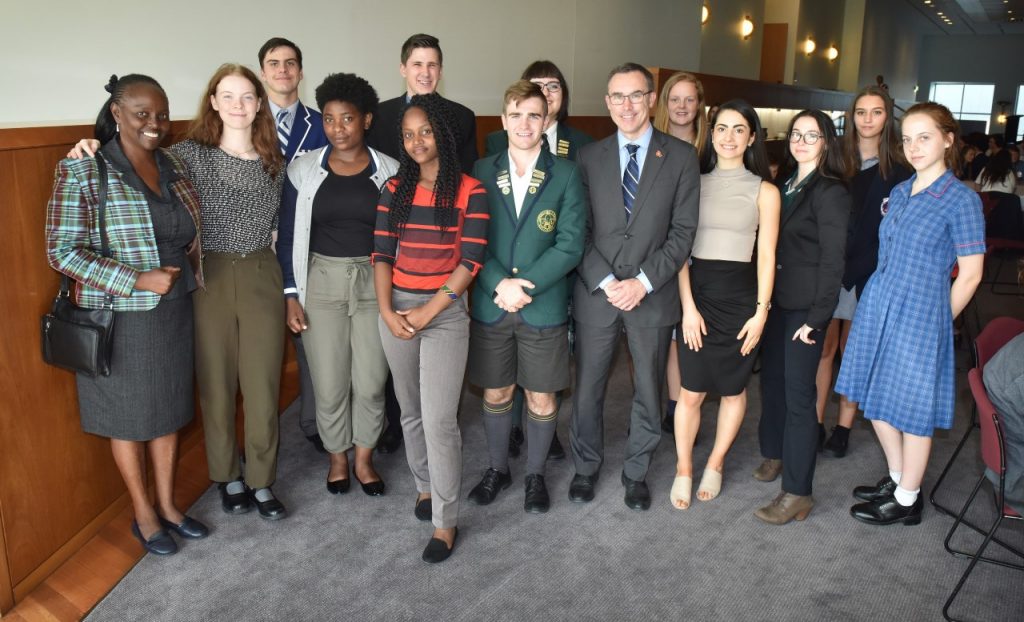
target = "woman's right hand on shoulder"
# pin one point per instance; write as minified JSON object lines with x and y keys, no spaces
{"x":693,"y":329}
{"x":84,"y":147}
{"x":295,"y":317}
{"x":158,"y":280}
{"x":398,"y":325}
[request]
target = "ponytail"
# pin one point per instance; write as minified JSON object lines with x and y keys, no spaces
{"x":106,"y":127}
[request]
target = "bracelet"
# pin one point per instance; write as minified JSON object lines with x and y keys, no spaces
{"x":449,"y":292}
{"x":767,"y":305}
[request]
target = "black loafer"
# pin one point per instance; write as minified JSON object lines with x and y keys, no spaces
{"x":537,"y":500}
{"x":189,"y":528}
{"x":234,"y":503}
{"x":493,"y":482}
{"x":884,"y":488}
{"x":160,"y":543}
{"x":581,"y":489}
{"x":887,"y":510}
{"x":556,"y":451}
{"x":338,"y":486}
{"x":423,"y":510}
{"x":373,"y":489}
{"x":638,"y":496}
{"x":437,"y":550}
{"x":389,"y":441}
{"x":317,"y":442}
{"x":515,"y":441}
{"x":272,"y":508}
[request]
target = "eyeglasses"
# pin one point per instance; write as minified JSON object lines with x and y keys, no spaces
{"x":551,"y":87}
{"x":617,"y":99}
{"x":809,"y":138}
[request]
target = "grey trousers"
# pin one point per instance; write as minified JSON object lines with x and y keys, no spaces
{"x":344,"y":352}
{"x":307,"y":401}
{"x":428,"y":371}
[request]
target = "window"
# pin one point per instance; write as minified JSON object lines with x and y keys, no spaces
{"x":967,"y":102}
{"x":1020,"y":100}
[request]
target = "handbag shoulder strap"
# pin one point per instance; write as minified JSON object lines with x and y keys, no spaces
{"x":101,"y":195}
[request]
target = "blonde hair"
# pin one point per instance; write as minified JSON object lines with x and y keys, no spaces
{"x":661,"y":108}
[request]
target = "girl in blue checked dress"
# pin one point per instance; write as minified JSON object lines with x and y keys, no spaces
{"x":899,"y":358}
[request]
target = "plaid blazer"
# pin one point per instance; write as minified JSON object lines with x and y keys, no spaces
{"x":73,"y":234}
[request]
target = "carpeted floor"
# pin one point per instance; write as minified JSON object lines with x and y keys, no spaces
{"x":354,"y":557}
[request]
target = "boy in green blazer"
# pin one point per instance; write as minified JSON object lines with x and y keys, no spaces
{"x":519,"y":333}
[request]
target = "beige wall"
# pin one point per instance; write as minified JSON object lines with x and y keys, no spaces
{"x":57,"y":59}
{"x":723,"y":50}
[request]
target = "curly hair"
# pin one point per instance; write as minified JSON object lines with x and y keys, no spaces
{"x":106,"y":126}
{"x":349,"y":88}
{"x":449,"y":176}
{"x":700,"y":121}
{"x":207,"y":127}
{"x":890,"y":155}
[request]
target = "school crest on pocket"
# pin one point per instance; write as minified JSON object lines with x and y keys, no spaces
{"x":546,"y":220}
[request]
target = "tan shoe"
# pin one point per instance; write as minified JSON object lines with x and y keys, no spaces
{"x":768,"y":470}
{"x":785,"y":508}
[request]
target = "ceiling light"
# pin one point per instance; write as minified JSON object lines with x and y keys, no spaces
{"x":941,"y":13}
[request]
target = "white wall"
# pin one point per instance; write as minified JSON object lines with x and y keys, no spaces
{"x":56,"y":56}
{"x":723,"y":50}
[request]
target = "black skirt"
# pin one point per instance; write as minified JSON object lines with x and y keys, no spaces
{"x":725,"y":293}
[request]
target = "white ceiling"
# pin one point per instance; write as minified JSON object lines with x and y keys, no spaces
{"x":974,"y":17}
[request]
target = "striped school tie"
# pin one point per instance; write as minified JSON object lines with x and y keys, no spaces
{"x":282,"y":129}
{"x":630,"y":180}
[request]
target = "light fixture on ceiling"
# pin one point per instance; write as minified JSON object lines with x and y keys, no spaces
{"x":705,"y":14}
{"x":832,"y":53}
{"x":809,"y":46}
{"x":747,"y":27}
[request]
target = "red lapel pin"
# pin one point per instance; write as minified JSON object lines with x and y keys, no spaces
{"x":657,"y":153}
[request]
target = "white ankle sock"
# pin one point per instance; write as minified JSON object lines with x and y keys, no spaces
{"x":905,"y":497}
{"x":895,"y":476}
{"x":263,"y":494}
{"x":235,"y":487}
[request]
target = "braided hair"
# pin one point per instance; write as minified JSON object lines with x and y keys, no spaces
{"x":449,"y":176}
{"x":106,"y":126}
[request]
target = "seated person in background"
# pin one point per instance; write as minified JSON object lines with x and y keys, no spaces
{"x":997,"y":176}
{"x":520,"y":312}
{"x":967,"y":155}
{"x":1015,"y":164}
{"x":1004,"y":383}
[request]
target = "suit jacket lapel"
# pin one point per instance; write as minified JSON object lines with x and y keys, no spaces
{"x":610,"y":185}
{"x":652,"y":164}
{"x":299,"y":131}
{"x":798,"y":200}
{"x":503,"y":179}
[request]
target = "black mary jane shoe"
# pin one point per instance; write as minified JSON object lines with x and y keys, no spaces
{"x":189,"y":528}
{"x":372,"y":489}
{"x":884,"y":488}
{"x":160,"y":543}
{"x":437,"y":550}
{"x":887,"y":510}
{"x":234,"y":502}
{"x":423,"y":510}
{"x":339,"y":486}
{"x":272,"y":508}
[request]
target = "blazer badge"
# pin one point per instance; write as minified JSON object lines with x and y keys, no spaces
{"x":546,"y":220}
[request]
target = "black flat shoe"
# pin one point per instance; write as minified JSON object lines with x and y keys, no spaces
{"x":537,"y":500}
{"x":492,"y":483}
{"x":423,"y":510}
{"x":373,"y":489}
{"x":838,"y":442}
{"x":515,"y":441}
{"x":887,"y":510}
{"x":160,"y":543}
{"x":234,"y":503}
{"x":437,"y":550}
{"x":884,"y":488}
{"x":581,"y":489}
{"x":339,"y":486}
{"x":189,"y":528}
{"x":638,"y":495}
{"x":272,"y":508}
{"x":389,"y":442}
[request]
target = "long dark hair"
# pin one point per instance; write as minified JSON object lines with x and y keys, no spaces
{"x":997,"y":168}
{"x":755,"y":158}
{"x":106,"y":126}
{"x":890,"y":154}
{"x":449,"y":175}
{"x":547,"y":69}
{"x":830,"y":162}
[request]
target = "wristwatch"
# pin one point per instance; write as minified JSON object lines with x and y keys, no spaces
{"x":767,"y":305}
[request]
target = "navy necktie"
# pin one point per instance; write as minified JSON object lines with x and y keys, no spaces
{"x":630,"y":180}
{"x":282,"y":129}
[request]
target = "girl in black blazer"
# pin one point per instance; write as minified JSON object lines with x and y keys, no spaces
{"x":808,"y":273}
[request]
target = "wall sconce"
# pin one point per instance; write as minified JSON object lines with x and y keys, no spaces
{"x":747,"y":27}
{"x":705,"y":14}
{"x":832,"y":53}
{"x":1001,"y":119}
{"x":809,"y":46}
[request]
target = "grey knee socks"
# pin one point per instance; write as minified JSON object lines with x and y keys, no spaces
{"x":540,"y":429}
{"x":497,"y":426}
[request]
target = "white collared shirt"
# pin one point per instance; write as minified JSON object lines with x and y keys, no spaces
{"x":520,"y":184}
{"x":289,"y":117}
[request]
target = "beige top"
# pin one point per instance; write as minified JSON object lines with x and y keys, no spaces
{"x":727,"y":225}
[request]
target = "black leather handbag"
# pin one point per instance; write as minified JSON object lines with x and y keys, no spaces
{"x":73,"y":337}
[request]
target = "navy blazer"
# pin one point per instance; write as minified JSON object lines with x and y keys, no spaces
{"x":307,"y":133}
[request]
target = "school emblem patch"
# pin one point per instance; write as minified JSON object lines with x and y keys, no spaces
{"x":546,"y":220}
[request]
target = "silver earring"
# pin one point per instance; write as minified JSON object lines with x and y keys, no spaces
{"x":117,"y":128}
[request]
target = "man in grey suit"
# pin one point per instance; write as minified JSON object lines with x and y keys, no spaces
{"x":644,"y":189}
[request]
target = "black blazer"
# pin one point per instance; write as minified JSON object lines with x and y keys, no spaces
{"x":810,"y":254}
{"x":385,"y":134}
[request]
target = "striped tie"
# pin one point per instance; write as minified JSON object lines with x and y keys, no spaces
{"x":282,"y":129}
{"x":631,"y":180}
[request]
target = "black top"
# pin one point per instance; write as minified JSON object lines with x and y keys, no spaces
{"x":869,"y":191}
{"x":385,"y":134}
{"x":344,"y":214}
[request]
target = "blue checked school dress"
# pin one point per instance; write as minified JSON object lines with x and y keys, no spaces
{"x":898,"y":363}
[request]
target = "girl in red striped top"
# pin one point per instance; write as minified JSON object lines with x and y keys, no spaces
{"x":429,"y":243}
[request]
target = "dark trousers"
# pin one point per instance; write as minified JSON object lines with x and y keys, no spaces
{"x":789,"y":422}
{"x":307,"y":401}
{"x":595,"y":347}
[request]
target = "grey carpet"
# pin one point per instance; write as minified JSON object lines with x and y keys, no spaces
{"x":358,"y":558}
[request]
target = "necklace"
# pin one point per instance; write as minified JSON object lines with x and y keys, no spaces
{"x":238,"y":154}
